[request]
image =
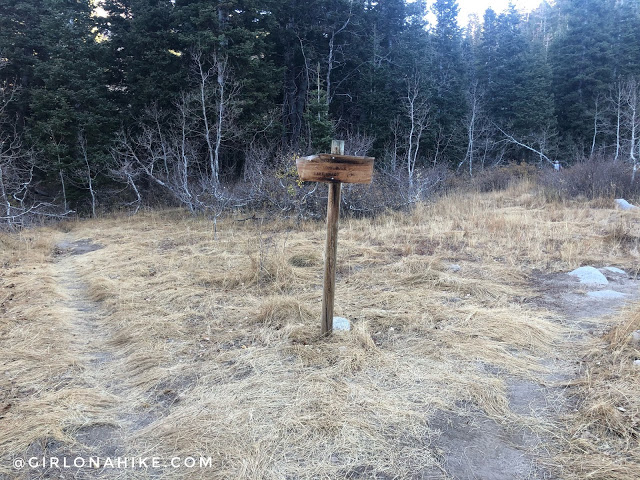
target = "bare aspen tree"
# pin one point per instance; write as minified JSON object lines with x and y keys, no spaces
{"x":204,"y":75}
{"x":7,"y":146}
{"x":397,"y":140}
{"x":64,"y":190}
{"x":3,"y":193}
{"x":16,"y":165}
{"x":126,"y":170}
{"x":471,"y":123}
{"x":618,"y":106}
{"x":617,"y":98}
{"x":140,"y":156}
{"x":331,"y":55}
{"x":442,"y":142}
{"x":10,"y":153}
{"x":221,"y":80}
{"x":597,"y":124}
{"x":632,"y":120}
{"x":168,"y":150}
{"x":217,"y":93}
{"x":154,"y":113}
{"x":180,"y":183}
{"x":417,"y":111}
{"x":82,"y":143}
{"x":57,"y":142}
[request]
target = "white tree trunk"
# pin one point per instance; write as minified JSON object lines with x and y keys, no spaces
{"x":183,"y":172}
{"x":3,"y":195}
{"x":471,"y":122}
{"x":618,"y":118}
{"x":221,"y":67}
{"x":83,"y":148}
{"x":418,"y":113}
{"x":595,"y":127}
{"x":331,"y":56}
{"x":633,"y":121}
{"x":204,"y":79}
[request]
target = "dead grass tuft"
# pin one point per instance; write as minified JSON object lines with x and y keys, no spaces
{"x":279,"y":311}
{"x":305,"y":260}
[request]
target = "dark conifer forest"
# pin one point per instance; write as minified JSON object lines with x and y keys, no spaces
{"x":205,"y":104}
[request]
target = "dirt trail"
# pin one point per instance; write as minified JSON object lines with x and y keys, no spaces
{"x":474,"y":446}
{"x":108,"y":435}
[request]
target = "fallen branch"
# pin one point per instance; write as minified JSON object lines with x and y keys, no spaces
{"x":512,"y":139}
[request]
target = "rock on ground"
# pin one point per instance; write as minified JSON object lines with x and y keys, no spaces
{"x":341,"y":323}
{"x":590,"y":275}
{"x":624,"y":205}
{"x":606,"y":294}
{"x":617,"y":270}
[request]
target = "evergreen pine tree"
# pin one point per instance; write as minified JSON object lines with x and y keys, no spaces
{"x":54,"y":55}
{"x":583,"y":63}
{"x":449,"y":77}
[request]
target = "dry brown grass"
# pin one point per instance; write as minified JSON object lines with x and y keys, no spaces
{"x":604,"y":431}
{"x":214,"y":344}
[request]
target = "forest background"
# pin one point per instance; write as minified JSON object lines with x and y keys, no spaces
{"x":206,"y":104}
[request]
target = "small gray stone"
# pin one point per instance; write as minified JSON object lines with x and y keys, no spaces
{"x":636,"y":363}
{"x":606,"y":294}
{"x":341,"y":323}
{"x":617,"y":270}
{"x":589,"y":275}
{"x":624,"y":205}
{"x":635,"y":337}
{"x":454,"y":267}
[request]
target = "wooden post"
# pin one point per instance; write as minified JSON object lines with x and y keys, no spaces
{"x":331,"y":248}
{"x":334,"y":168}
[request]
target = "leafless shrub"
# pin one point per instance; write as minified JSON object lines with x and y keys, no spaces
{"x":592,"y":179}
{"x":272,"y":178}
{"x":180,"y":151}
{"x":391,"y":190}
{"x":357,"y":144}
{"x":500,"y":178}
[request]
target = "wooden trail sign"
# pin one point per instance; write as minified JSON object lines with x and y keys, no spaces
{"x":334,"y":168}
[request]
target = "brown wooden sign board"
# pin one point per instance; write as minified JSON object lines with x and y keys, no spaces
{"x":334,"y":168}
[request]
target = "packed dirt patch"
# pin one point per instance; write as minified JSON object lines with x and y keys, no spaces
{"x":474,"y":446}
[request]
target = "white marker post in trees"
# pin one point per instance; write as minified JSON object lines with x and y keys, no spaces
{"x":335,"y":169}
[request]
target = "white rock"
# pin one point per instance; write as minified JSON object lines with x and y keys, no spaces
{"x":624,"y":205}
{"x":454,"y":267}
{"x":635,"y":336}
{"x":589,"y":275}
{"x":606,"y":294}
{"x":617,"y":270}
{"x":636,"y":363}
{"x":341,"y":323}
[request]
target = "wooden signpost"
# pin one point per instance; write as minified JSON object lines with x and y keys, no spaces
{"x":335,"y":169}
